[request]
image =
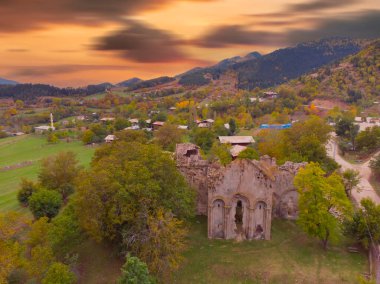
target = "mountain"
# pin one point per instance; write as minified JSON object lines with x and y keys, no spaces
{"x":354,"y":79}
{"x":277,"y":67}
{"x":288,"y":63}
{"x":198,"y":76}
{"x":7,"y":82}
{"x":129,"y":82}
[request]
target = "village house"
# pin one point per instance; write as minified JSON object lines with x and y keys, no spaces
{"x":236,"y":140}
{"x":158,"y":124}
{"x":206,"y":123}
{"x":110,"y":138}
{"x":43,"y":128}
{"x":107,"y":119}
{"x":236,"y":150}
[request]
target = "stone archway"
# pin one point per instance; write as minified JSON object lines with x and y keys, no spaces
{"x":217,"y":219}
{"x":239,"y":217}
{"x":259,"y":220}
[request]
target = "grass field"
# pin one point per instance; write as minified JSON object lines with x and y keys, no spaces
{"x":23,"y":154}
{"x":290,"y":257}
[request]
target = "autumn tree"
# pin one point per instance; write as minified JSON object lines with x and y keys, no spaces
{"x":159,"y":244}
{"x":126,"y":180}
{"x":322,"y":202}
{"x":11,"y":224}
{"x":127,"y":183}
{"x":168,"y":136}
{"x":59,"y":273}
{"x":59,"y":172}
{"x":88,"y":137}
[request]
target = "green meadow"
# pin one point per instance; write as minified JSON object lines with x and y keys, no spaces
{"x":289,"y":257}
{"x":20,"y":158}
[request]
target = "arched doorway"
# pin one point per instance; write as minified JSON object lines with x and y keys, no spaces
{"x":218,"y":219}
{"x":259,"y":220}
{"x":239,"y":217}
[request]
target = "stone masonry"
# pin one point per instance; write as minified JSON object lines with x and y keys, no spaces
{"x":240,"y":199}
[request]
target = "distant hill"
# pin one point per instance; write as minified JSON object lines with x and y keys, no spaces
{"x":7,"y":82}
{"x":30,"y":92}
{"x":199,"y":76}
{"x":129,"y":82}
{"x":151,"y":83}
{"x":255,"y":70}
{"x":353,"y":79}
{"x":289,"y":63}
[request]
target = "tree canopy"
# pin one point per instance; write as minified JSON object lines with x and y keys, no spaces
{"x":322,"y":202}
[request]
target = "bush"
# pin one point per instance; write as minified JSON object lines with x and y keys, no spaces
{"x":134,"y":271}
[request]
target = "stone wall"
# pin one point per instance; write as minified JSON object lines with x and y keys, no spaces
{"x":241,"y":198}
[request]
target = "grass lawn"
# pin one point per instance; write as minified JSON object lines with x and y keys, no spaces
{"x":15,"y":151}
{"x":290,"y":257}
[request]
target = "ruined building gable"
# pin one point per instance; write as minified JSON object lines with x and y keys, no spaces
{"x":241,"y":198}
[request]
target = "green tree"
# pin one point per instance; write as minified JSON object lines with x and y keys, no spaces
{"x":221,"y":152}
{"x":249,"y":153}
{"x":27,"y":188}
{"x":45,"y":203}
{"x":203,"y":137}
{"x":233,"y":126}
{"x":59,"y":172}
{"x":364,"y":225}
{"x":127,"y":180}
{"x":351,"y":179}
{"x":59,"y":273}
{"x":134,"y":271}
{"x":321,"y":201}
{"x":121,"y":123}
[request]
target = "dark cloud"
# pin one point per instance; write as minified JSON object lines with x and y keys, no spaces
{"x":23,"y":15}
{"x":237,"y":35}
{"x":363,"y":24}
{"x":360,"y":25}
{"x":318,"y":5}
{"x":142,"y":43}
{"x":41,"y":71}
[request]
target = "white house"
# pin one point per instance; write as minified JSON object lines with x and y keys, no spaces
{"x":110,"y":138}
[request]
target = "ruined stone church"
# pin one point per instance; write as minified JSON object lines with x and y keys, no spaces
{"x":241,"y":198}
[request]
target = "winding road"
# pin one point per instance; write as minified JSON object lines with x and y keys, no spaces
{"x":364,"y":188}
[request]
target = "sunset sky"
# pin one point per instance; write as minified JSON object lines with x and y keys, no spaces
{"x":80,"y":42}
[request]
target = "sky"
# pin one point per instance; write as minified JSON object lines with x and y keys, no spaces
{"x":80,"y":42}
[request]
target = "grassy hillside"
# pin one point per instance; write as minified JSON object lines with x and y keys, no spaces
{"x":290,"y":257}
{"x":20,"y":156}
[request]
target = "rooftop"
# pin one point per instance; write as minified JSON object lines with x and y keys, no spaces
{"x":236,"y":139}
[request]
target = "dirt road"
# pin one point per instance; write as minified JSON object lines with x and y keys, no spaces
{"x":365,"y":188}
